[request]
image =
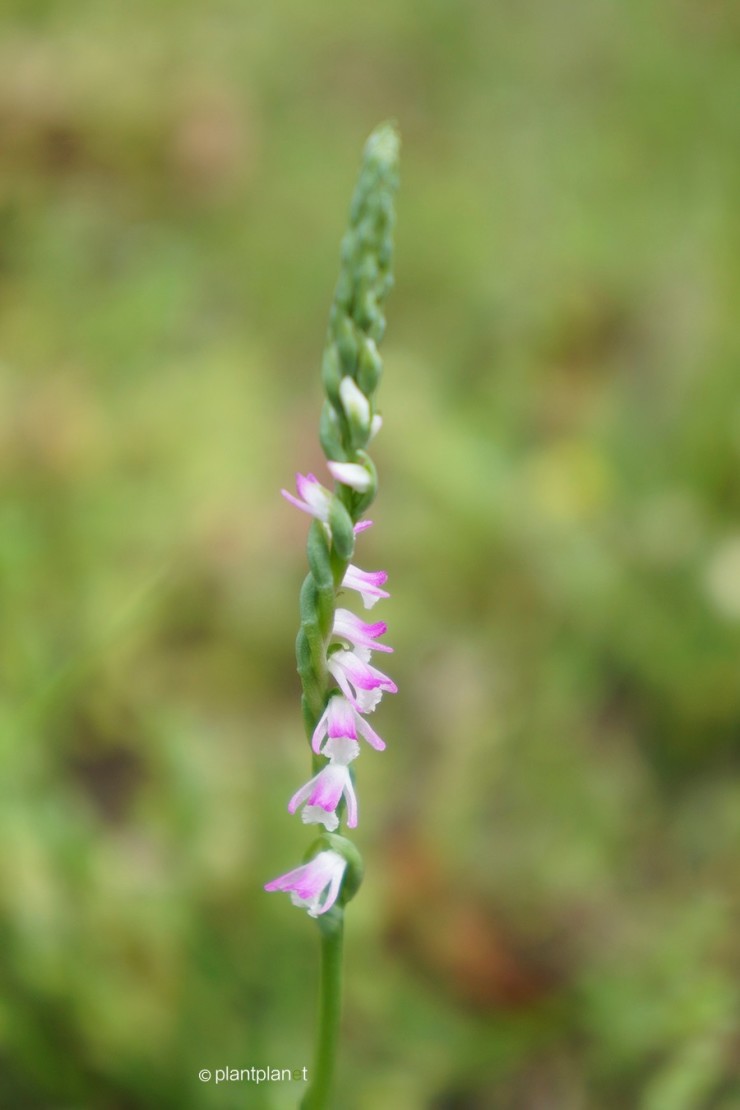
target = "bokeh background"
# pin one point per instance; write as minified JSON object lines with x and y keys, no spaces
{"x":549,"y":920}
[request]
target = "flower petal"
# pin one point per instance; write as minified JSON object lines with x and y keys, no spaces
{"x":351,"y":799}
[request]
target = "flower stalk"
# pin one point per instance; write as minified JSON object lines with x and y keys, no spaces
{"x":340,"y":686}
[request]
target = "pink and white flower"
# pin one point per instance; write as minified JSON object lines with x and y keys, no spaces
{"x":312,"y":498}
{"x":314,"y":886}
{"x":367,"y":583}
{"x":323,"y":793}
{"x":341,"y":720}
{"x":361,"y":684}
{"x":350,"y":628}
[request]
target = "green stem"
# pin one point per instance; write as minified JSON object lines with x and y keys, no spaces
{"x":330,"y":1008}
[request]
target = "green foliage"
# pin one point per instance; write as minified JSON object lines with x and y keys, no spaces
{"x":559,"y":519}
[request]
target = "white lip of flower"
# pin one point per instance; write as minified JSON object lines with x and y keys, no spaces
{"x":375,"y":425}
{"x":315,"y":815}
{"x":367,"y":701}
{"x":351,"y":474}
{"x":354,"y":402}
{"x":341,"y":749}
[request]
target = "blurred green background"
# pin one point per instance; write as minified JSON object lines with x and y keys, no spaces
{"x":549,"y":920}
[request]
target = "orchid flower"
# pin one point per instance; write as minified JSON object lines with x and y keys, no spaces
{"x":312,"y":498}
{"x":341,"y":720}
{"x":321,"y":876}
{"x":367,"y":583}
{"x":349,"y":627}
{"x":323,"y":793}
{"x":361,"y":684}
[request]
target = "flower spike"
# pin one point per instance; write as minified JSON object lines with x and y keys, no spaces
{"x":334,"y":645}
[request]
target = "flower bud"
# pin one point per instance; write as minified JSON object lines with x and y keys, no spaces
{"x":355,"y":404}
{"x":353,"y":475}
{"x":370,"y":366}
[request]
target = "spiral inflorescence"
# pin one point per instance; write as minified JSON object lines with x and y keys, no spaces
{"x":339,"y":684}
